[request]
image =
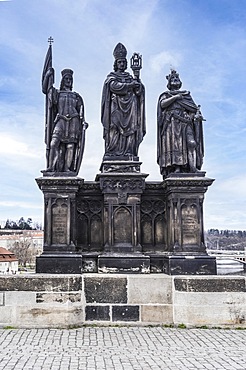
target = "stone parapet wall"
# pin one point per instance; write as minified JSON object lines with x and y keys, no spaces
{"x":44,"y":300}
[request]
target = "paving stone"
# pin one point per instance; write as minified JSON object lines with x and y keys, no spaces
{"x":122,"y":348}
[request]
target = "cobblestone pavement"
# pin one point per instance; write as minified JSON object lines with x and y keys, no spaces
{"x":122,"y":348}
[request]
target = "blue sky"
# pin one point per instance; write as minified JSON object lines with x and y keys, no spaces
{"x":205,"y":40}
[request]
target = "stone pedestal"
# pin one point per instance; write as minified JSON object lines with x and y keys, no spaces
{"x":60,"y":253}
{"x":185,"y":233}
{"x":134,"y":263}
{"x":189,"y":265}
{"x":122,"y":185}
{"x":66,"y":263}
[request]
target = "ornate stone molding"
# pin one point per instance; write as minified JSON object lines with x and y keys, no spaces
{"x":187,"y":183}
{"x":91,"y":185}
{"x":125,"y":185}
{"x":61,"y":181}
{"x":89,"y":206}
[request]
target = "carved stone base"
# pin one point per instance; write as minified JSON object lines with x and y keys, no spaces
{"x":157,"y":263}
{"x":184,"y":201}
{"x":189,"y":265}
{"x":118,"y":263}
{"x":122,"y":198}
{"x":89,"y":262}
{"x":121,"y":166}
{"x":60,"y":252}
{"x":59,"y":264}
{"x":59,"y":174}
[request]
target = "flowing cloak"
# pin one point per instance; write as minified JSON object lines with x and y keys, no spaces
{"x":175,"y":123}
{"x":122,"y":115}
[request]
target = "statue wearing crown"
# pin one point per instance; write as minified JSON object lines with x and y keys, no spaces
{"x":179,"y":133}
{"x":65,"y":123}
{"x":123,"y":108}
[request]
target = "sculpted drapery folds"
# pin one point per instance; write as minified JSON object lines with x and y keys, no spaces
{"x":65,"y":123}
{"x":123,"y":110}
{"x":179,"y":133}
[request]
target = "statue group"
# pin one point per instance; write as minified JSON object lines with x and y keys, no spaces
{"x":179,"y":120}
{"x":120,"y":222}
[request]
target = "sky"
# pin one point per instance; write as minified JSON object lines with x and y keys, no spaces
{"x":205,"y":41}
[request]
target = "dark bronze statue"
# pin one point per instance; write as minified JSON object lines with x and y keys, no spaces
{"x":123,"y":108}
{"x":180,"y":135}
{"x":65,"y":122}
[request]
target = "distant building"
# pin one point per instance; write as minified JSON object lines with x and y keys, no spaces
{"x":9,"y":237}
{"x":8,"y":262}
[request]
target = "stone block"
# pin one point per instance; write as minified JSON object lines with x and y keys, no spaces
{"x":59,"y":264}
{"x":209,"y":298}
{"x":6,"y":316}
{"x":48,"y":317}
{"x":125,"y":313}
{"x":89,"y":263}
{"x":20,"y":298}
{"x":98,"y":313}
{"x":210,"y":284}
{"x":189,"y":265}
{"x":58,"y":298}
{"x":2,"y":298}
{"x":210,"y":308}
{"x":156,"y":263}
{"x":209,"y":315}
{"x":154,"y":288}
{"x":128,"y":264}
{"x":105,"y":289}
{"x":159,"y":314}
{"x":40,"y":282}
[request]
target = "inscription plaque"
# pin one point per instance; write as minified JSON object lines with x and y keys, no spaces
{"x":59,"y":223}
{"x":122,"y":226}
{"x":190,"y":225}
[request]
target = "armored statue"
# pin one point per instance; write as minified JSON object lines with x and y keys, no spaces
{"x":123,"y":108}
{"x":65,"y":122}
{"x":179,"y":133}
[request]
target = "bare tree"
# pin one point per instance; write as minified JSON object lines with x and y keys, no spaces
{"x":24,"y":251}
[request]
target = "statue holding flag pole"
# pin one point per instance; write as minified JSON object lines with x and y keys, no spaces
{"x":65,"y":124}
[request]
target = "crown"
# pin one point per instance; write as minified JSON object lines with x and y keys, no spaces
{"x":172,"y":74}
{"x":66,"y":71}
{"x":119,"y":51}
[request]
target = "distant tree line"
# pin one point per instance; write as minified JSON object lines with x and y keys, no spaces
{"x":216,"y":232}
{"x":22,"y":224}
{"x":226,"y":239}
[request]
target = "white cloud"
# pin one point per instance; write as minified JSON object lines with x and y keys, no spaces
{"x":10,"y":146}
{"x":19,"y":204}
{"x":235,"y":186}
{"x":165,"y":59}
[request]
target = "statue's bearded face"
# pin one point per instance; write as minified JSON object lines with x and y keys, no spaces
{"x":175,"y":83}
{"x":68,"y":81}
{"x":121,"y":64}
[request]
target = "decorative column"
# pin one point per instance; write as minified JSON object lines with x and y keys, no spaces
{"x":60,"y":254}
{"x":185,"y":230}
{"x":122,"y":198}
